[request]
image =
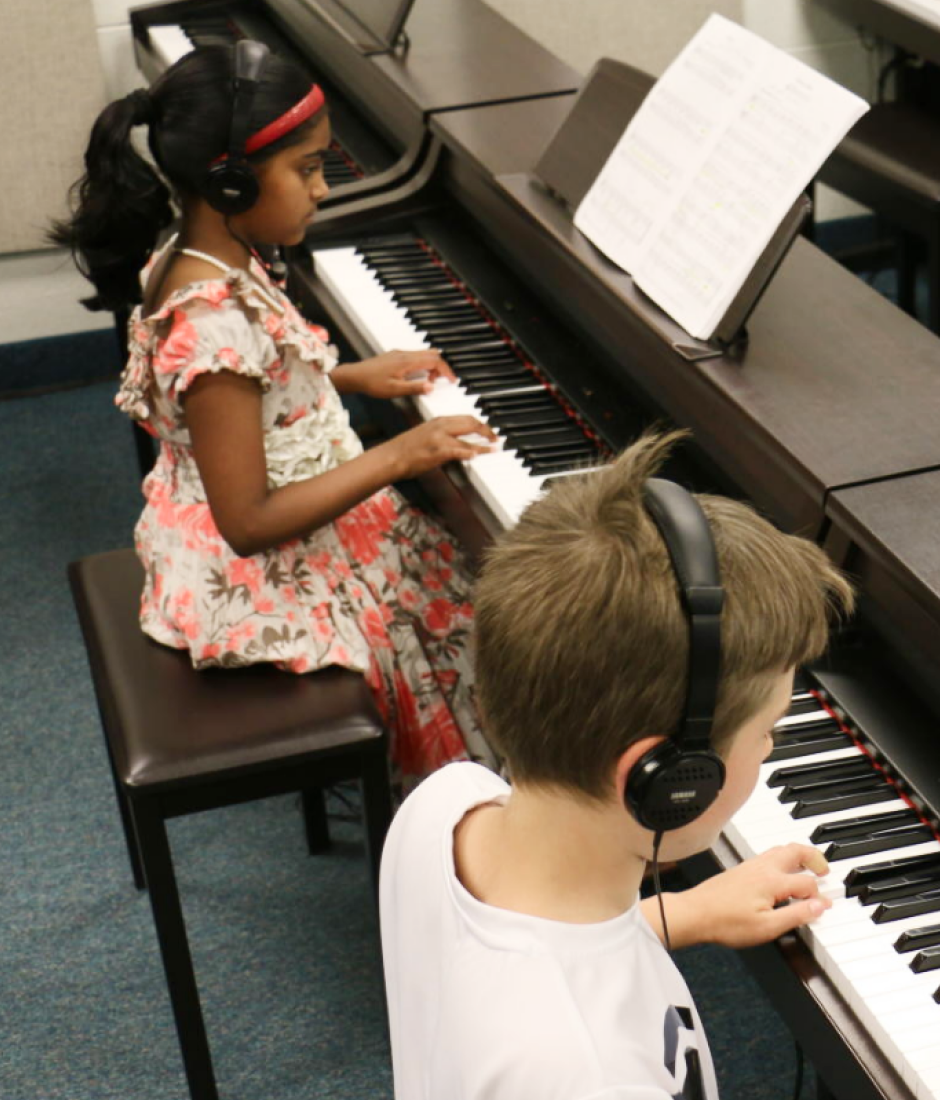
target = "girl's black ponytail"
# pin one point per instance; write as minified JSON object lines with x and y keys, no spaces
{"x":120,"y":207}
{"x":122,"y":204}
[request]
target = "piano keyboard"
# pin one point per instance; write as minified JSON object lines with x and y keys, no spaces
{"x":880,"y":941}
{"x":405,"y":297}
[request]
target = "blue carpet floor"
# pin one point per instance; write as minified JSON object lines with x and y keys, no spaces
{"x":286,"y":945}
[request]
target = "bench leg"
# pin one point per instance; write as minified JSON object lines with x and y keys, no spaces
{"x":127,"y":820}
{"x":933,"y":282}
{"x":907,"y":252}
{"x":174,"y":947}
{"x":376,"y":807}
{"x":313,"y":802}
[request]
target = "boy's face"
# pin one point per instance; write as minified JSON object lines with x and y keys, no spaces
{"x":749,"y":747}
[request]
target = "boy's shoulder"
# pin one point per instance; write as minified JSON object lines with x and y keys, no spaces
{"x":450,"y":792}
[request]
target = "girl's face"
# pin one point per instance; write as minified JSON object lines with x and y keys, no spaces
{"x":292,"y":186}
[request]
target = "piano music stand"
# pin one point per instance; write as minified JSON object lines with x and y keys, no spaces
{"x":603,"y":107}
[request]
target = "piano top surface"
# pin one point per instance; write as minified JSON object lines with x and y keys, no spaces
{"x":463,"y":53}
{"x":896,"y":524}
{"x":835,"y":386}
{"x":503,"y":138}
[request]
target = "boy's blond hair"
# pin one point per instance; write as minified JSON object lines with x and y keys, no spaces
{"x":581,"y":641}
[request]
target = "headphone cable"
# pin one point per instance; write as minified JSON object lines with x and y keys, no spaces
{"x":657,"y":840}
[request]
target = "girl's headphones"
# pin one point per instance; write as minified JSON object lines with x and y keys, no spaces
{"x":231,"y":186}
{"x":676,"y":782}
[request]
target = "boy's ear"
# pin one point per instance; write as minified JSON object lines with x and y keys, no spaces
{"x":628,"y":760}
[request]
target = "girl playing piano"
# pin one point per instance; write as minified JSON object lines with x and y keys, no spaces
{"x":268,"y":534}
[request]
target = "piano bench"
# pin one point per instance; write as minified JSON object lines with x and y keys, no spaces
{"x":181,"y":741}
{"x":890,"y":162}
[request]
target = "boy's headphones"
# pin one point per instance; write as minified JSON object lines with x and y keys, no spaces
{"x":676,"y":782}
{"x":231,"y":186}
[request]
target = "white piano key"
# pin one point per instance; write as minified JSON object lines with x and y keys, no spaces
{"x":800,"y":719}
{"x":169,"y":43}
{"x":504,"y":483}
{"x":383,"y":323}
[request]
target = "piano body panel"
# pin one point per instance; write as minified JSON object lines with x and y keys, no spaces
{"x":892,"y":530}
{"x":830,"y":1034}
{"x":502,"y":139}
{"x":461,"y":53}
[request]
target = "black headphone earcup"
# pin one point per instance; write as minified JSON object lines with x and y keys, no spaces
{"x":668,"y":788}
{"x":231,"y":187}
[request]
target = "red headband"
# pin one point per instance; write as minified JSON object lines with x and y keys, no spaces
{"x":290,"y":120}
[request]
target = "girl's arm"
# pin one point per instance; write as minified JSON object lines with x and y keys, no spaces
{"x":223,"y":414}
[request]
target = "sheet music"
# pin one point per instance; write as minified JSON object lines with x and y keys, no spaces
{"x":709,"y":166}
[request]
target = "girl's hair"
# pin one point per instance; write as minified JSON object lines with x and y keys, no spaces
{"x":121,"y":204}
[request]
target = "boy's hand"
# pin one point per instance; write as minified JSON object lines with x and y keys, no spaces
{"x":394,"y":374}
{"x":746,"y":905}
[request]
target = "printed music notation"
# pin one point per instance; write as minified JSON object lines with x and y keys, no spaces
{"x":709,"y":166}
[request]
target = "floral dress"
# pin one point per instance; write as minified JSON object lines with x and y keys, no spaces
{"x":382,"y":589}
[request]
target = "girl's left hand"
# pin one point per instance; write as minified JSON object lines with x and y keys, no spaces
{"x":394,"y":374}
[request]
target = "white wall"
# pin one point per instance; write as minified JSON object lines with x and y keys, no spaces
{"x":50,"y":93}
{"x":114,"y":41}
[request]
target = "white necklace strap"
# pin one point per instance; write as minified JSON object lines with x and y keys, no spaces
{"x":197,"y":255}
{"x":226,"y":268}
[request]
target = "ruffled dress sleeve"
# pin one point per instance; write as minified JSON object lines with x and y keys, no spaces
{"x":204,"y":328}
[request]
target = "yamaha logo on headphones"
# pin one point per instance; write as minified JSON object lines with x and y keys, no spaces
{"x":681,"y":796}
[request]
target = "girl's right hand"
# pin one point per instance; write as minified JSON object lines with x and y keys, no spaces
{"x":440,"y":440}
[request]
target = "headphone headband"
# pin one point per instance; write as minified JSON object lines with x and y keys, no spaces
{"x":678,"y":779}
{"x":231,"y":185}
{"x":685,"y":531}
{"x":250,"y":60}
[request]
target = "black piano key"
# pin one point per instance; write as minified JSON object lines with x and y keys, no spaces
{"x":863,"y":825}
{"x":464,"y":345}
{"x":891,"y":868}
{"x":916,"y":938}
{"x":538,"y":440}
{"x":441,"y":313}
{"x":494,"y":351}
{"x":903,"y":886}
{"x":883,"y":841}
{"x":818,"y":807}
{"x":805,"y":746}
{"x":519,"y":403}
{"x":418,"y":279}
{"x":495,"y":370}
{"x":442,"y":330}
{"x":537,"y":419}
{"x":536,"y":436}
{"x":563,"y":467}
{"x":926,"y":960}
{"x":926,"y":902}
{"x":437,"y":295}
{"x":493,"y":385}
{"x":481,"y":385}
{"x":803,"y":792}
{"x":834,"y":769}
{"x":804,"y":705}
{"x":795,"y":729}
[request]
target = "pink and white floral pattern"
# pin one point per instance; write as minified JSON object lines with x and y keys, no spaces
{"x":382,"y":590}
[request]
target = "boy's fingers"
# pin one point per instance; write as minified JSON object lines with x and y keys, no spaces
{"x":800,"y":857}
{"x":796,"y":914}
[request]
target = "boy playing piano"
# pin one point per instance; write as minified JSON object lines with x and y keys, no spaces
{"x":518,"y":960}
